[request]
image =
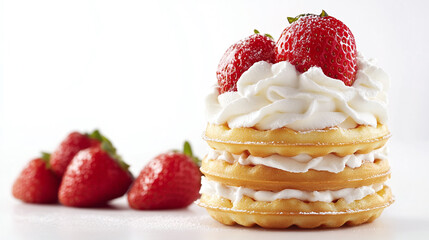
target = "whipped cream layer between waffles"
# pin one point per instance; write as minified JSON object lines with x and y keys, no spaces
{"x":302,"y":162}
{"x":236,"y":193}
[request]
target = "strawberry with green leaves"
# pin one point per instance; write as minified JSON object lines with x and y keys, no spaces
{"x":72,"y":144}
{"x":170,"y":180}
{"x":240,"y":56}
{"x":95,"y":176}
{"x":37,"y":183}
{"x":322,"y":41}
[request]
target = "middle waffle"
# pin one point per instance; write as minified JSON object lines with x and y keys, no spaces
{"x":266,"y":178}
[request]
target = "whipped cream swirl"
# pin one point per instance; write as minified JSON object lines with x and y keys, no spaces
{"x":236,"y":193}
{"x":302,"y":162}
{"x":271,"y":96}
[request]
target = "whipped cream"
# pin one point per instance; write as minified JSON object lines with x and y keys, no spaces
{"x":236,"y":193}
{"x":271,"y":96}
{"x":302,"y":162}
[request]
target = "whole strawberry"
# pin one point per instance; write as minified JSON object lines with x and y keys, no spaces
{"x":68,"y":148}
{"x":322,"y":41}
{"x":170,"y":180}
{"x":95,"y":176}
{"x":240,"y":57}
{"x":37,"y":183}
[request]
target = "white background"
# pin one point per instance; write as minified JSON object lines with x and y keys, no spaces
{"x":139,"y":72}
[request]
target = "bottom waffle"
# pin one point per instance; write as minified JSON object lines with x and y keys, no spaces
{"x":284,"y":213}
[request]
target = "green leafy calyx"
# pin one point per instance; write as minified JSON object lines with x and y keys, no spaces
{"x":187,"y":150}
{"x":266,"y":34}
{"x":107,"y":146}
{"x":294,"y":19}
{"x":45,"y":158}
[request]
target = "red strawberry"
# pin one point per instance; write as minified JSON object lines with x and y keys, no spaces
{"x":71,"y":145}
{"x":322,"y":41}
{"x":37,"y":183}
{"x":95,"y":176}
{"x":240,"y":57}
{"x":170,"y":180}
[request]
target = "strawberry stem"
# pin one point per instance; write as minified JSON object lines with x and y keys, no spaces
{"x":187,"y":150}
{"x":96,"y":135}
{"x":266,"y":34}
{"x":46,"y":157}
{"x":324,"y":14}
{"x":294,"y":19}
{"x":107,"y":146}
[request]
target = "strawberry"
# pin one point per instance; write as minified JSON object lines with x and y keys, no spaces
{"x":37,"y":183}
{"x":241,"y":56}
{"x":170,"y":180}
{"x":68,"y":148}
{"x":95,"y":176}
{"x":322,"y":41}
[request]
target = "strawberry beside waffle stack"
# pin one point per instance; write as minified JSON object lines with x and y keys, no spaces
{"x":297,"y":131}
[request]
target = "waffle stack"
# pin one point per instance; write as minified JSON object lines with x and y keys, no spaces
{"x":297,"y":131}
{"x":236,"y":191}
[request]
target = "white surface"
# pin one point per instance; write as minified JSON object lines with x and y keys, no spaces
{"x":407,"y":218}
{"x":37,"y":222}
{"x":41,"y":222}
{"x":140,"y":70}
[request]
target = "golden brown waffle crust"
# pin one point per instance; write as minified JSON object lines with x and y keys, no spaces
{"x":288,"y":142}
{"x":270,"y":179}
{"x":284,"y":213}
